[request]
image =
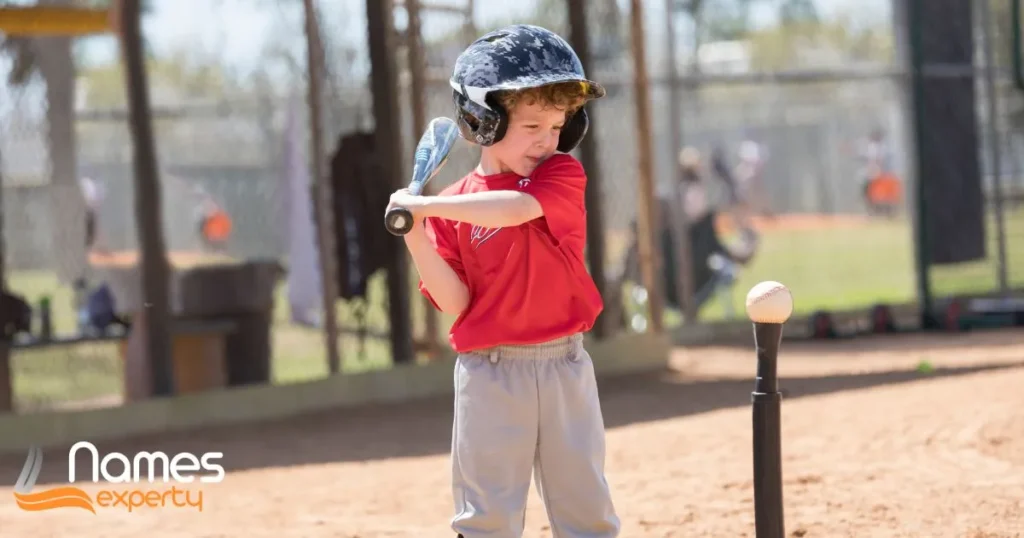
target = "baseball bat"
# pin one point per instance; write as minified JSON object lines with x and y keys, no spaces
{"x":431,"y":155}
{"x":767,"y":400}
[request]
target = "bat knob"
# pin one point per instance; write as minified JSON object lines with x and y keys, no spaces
{"x":398,"y":221}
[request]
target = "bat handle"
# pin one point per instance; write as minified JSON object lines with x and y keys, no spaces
{"x":398,"y":221}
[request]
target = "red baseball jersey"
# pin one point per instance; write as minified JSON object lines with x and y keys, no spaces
{"x":527,"y":284}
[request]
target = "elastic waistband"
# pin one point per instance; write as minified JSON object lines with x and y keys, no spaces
{"x":554,"y":349}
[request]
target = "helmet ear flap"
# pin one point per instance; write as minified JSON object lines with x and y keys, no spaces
{"x":501,"y":125}
{"x":574,"y":131}
{"x":487,"y":127}
{"x":477,"y":123}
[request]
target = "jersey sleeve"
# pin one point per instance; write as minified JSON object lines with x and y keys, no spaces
{"x":559,"y":185}
{"x":443,"y":236}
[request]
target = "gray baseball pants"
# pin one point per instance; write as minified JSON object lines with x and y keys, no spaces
{"x":522,"y":410}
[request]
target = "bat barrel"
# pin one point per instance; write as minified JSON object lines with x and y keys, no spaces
{"x":431,"y":154}
{"x":766,"y":400}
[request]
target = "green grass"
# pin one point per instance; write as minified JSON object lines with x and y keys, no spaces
{"x":856,"y":267}
{"x":982,"y":276}
{"x":831,"y":269}
{"x":67,"y":374}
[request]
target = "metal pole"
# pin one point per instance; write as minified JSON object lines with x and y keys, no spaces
{"x":684,"y":261}
{"x":909,"y":55}
{"x":767,"y":403}
{"x":994,"y":142}
{"x":647,"y":217}
{"x":578,"y":36}
{"x":148,"y":208}
{"x":324,"y":199}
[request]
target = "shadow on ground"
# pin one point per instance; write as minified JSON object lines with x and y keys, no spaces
{"x":919,"y":342}
{"x":424,"y":427}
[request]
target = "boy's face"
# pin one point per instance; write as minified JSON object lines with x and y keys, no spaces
{"x":532,"y":137}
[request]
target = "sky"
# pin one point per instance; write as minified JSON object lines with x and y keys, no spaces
{"x":237,"y":30}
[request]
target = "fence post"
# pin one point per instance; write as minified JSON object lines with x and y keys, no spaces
{"x":6,"y":386}
{"x":994,"y":141}
{"x":417,"y":93}
{"x":647,"y":217}
{"x":324,"y":196}
{"x":388,"y":153}
{"x":148,"y":209}
{"x":580,"y":38}
{"x":681,"y":224}
{"x":907,"y":36}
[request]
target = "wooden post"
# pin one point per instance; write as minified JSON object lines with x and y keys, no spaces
{"x":417,"y":91}
{"x":6,"y":379}
{"x":680,"y":222}
{"x":388,"y":144}
{"x":470,"y":25}
{"x":647,"y":216}
{"x":148,"y":210}
{"x":6,"y":385}
{"x":322,"y":184}
{"x":580,"y":40}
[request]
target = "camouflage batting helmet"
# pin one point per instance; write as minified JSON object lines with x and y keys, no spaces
{"x":514,"y":58}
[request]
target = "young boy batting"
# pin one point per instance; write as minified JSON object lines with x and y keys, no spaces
{"x":502,"y":249}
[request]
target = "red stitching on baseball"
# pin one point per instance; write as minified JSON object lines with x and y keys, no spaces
{"x":768,"y":294}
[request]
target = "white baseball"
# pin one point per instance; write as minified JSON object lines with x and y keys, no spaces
{"x":769,"y":302}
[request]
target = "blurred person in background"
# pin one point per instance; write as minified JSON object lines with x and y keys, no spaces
{"x":212,"y":220}
{"x":714,"y":260}
{"x":881,"y":189}
{"x":750,"y":178}
{"x":93,"y":194}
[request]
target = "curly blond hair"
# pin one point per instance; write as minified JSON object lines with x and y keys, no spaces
{"x":568,"y":96}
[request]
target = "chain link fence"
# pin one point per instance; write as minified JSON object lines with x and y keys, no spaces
{"x":231,"y":134}
{"x":783,"y":125}
{"x":803,"y":108}
{"x":1000,"y":269}
{"x":812,"y":119}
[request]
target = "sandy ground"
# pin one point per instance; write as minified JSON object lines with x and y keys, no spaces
{"x":872,"y":448}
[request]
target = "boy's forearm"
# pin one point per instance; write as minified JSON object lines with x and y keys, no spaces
{"x":491,"y":209}
{"x":444,"y":285}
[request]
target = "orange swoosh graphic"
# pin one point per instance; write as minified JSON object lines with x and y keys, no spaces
{"x":64,"y":497}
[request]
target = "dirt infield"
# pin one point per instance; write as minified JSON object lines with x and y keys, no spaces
{"x":872,"y":448}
